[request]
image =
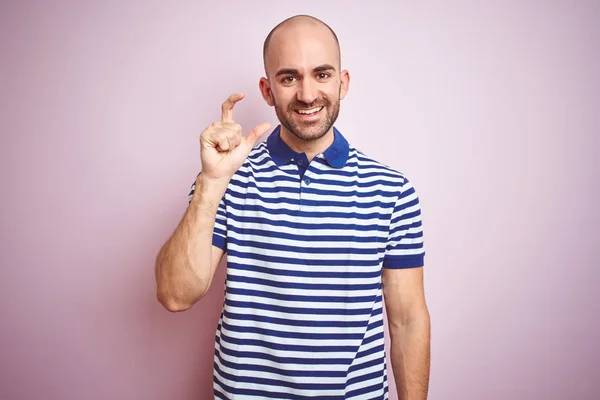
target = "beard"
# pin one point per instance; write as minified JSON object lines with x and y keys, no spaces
{"x":310,"y":130}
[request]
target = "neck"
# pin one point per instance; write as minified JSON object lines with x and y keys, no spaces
{"x":310,"y":147}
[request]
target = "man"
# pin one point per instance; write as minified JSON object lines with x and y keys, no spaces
{"x":315,"y":233}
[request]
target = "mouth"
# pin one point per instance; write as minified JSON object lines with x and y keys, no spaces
{"x":309,"y":112}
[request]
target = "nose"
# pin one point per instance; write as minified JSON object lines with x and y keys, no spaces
{"x":307,"y":92}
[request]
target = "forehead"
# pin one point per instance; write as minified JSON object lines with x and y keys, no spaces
{"x":302,"y":47}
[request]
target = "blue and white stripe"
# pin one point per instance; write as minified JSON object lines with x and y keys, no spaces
{"x":302,"y":316}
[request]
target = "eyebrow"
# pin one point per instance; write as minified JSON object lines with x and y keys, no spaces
{"x":292,"y":71}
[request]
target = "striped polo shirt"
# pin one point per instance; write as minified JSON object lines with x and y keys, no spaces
{"x":306,"y":244}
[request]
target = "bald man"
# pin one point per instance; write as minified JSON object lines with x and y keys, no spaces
{"x":319,"y":238}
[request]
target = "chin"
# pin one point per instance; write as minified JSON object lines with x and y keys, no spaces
{"x":310,"y":134}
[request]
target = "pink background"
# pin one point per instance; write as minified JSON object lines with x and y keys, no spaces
{"x":491,"y":110}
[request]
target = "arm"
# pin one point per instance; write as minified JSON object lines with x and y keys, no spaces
{"x":409,"y":324}
{"x":186,"y":263}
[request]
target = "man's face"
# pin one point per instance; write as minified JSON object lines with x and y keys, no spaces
{"x":305,"y":84}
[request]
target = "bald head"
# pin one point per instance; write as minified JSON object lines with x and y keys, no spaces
{"x":296,"y":26}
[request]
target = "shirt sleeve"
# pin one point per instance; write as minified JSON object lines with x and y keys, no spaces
{"x":220,"y":230}
{"x":405,"y":247}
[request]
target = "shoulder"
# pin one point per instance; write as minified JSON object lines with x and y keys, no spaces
{"x":369,"y":167}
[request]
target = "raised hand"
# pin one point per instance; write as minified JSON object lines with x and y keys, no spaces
{"x":223,"y":150}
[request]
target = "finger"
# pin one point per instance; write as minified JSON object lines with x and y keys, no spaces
{"x":222,"y":143}
{"x":229,"y":127}
{"x":227,"y":107}
{"x":254,"y":136}
{"x":234,"y":139}
{"x":216,"y":139}
{"x":232,"y":131}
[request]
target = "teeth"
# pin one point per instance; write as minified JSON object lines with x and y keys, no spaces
{"x":311,"y":111}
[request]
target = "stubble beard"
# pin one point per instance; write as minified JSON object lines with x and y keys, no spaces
{"x":309,"y":130}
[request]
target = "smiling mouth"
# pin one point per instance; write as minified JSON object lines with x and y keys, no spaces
{"x":310,"y":111}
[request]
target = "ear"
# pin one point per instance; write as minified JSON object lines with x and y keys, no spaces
{"x":265,"y":89}
{"x":344,"y":83}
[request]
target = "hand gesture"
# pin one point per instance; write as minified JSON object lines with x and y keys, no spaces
{"x":223,"y":150}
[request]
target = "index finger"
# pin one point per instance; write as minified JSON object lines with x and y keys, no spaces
{"x":227,"y":107}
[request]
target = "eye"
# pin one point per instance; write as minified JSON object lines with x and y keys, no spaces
{"x":288,"y":79}
{"x":323,"y":75}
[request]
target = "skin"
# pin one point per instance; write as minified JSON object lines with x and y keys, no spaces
{"x":410,"y":331}
{"x":186,"y":264}
{"x":303,"y":71}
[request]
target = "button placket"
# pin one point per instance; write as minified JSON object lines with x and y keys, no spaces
{"x":305,"y":181}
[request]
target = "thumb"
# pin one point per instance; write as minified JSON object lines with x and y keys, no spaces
{"x":254,"y":136}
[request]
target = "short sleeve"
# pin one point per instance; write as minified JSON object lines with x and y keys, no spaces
{"x":405,"y":246}
{"x":220,"y":229}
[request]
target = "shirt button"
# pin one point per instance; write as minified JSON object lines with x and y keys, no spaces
{"x":300,"y":161}
{"x":306,"y":181}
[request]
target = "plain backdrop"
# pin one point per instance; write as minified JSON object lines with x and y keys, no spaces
{"x":490,"y":108}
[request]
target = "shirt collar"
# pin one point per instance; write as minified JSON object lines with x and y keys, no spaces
{"x":336,"y":155}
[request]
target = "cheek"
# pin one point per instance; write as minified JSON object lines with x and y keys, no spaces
{"x":332,"y":92}
{"x":282,"y":97}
